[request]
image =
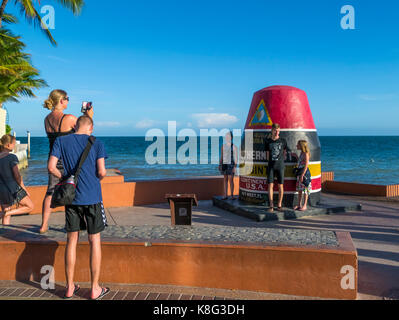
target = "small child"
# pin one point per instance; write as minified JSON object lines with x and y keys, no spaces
{"x":12,"y":188}
{"x":303,"y":184}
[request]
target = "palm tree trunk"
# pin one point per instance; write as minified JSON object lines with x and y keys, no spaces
{"x":2,"y":8}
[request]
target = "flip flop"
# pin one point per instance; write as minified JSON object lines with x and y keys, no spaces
{"x":302,"y":209}
{"x":280,"y":209}
{"x":271,"y":209}
{"x":77,"y":288}
{"x":104,"y":291}
{"x":297,"y":208}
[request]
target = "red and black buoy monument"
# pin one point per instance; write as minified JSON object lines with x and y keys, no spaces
{"x":289,"y":107}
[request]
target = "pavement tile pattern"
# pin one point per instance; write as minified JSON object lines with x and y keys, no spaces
{"x":84,"y":294}
{"x":185,"y":233}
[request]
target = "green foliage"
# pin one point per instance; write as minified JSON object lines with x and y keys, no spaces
{"x":8,"y":129}
{"x":17,"y":76}
{"x":9,"y":18}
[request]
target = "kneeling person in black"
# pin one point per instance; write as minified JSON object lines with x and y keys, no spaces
{"x":276,"y":148}
{"x":86,"y":211}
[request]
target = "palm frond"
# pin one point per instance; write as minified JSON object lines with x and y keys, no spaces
{"x":27,"y":8}
{"x":74,"y":5}
{"x":9,"y":18}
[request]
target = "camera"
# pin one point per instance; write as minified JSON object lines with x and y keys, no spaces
{"x":86,"y":106}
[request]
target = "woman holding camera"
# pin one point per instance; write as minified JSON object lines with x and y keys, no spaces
{"x":56,"y":124}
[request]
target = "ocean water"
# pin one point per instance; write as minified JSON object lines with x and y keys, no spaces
{"x":373,"y":160}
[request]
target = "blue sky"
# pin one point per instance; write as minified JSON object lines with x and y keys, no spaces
{"x":143,"y":63}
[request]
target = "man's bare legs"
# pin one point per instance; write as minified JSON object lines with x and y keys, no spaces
{"x":95,"y":263}
{"x":271,"y":185}
{"x":46,"y":212}
{"x":280,"y":195}
{"x":70,"y":260}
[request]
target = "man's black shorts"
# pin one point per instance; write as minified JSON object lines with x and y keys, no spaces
{"x":91,"y":218}
{"x":275,"y":171}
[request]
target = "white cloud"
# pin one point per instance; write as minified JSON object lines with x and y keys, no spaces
{"x":146,"y":123}
{"x":214,"y":120}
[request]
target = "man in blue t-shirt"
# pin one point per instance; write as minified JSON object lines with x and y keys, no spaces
{"x":87,"y":210}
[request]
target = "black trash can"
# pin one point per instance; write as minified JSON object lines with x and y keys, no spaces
{"x":181,"y":208}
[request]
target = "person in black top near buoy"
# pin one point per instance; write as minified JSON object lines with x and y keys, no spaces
{"x":276,"y":150}
{"x":227,"y":164}
{"x":57,"y":124}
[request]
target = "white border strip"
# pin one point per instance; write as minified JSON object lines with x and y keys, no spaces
{"x":286,"y":163}
{"x":288,"y":178}
{"x":282,"y":130}
{"x":285,"y":192}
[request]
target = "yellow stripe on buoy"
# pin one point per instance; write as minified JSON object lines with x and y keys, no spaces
{"x":260,"y":170}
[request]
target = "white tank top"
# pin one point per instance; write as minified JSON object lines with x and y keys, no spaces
{"x":227,"y":157}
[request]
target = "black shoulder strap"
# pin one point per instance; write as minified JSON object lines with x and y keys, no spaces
{"x":59,"y":128}
{"x":49,"y":124}
{"x":84,"y":156}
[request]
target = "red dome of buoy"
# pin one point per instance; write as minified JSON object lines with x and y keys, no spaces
{"x":285,"y":105}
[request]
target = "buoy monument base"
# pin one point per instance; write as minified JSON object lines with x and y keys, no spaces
{"x":259,"y":212}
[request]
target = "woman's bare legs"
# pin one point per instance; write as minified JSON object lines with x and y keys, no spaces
{"x":3,"y":211}
{"x":305,"y":202}
{"x":231,"y":181}
{"x":25,"y":206}
{"x":225,"y":181}
{"x":46,"y":212}
{"x":299,"y":200}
